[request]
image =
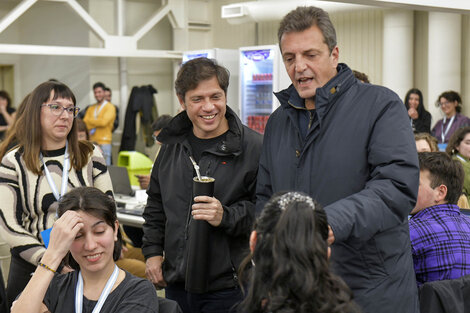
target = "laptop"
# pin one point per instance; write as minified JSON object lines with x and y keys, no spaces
{"x":120,"y":180}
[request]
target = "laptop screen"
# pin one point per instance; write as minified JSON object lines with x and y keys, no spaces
{"x":120,"y":180}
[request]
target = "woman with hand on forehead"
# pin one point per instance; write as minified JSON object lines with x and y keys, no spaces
{"x":45,"y":162}
{"x":86,"y":235}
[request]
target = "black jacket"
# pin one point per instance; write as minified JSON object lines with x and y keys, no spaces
{"x":142,"y":102}
{"x":359,"y":161}
{"x":423,"y":123}
{"x":234,"y":165}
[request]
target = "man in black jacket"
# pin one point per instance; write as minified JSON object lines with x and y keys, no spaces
{"x":210,"y":132}
{"x":350,"y":146}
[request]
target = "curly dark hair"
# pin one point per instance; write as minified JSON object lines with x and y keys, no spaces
{"x":291,"y":272}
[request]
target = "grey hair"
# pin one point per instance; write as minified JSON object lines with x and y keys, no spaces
{"x":302,"y":18}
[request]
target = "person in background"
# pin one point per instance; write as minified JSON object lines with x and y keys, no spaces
{"x":99,"y":119}
{"x":7,"y":113}
{"x":107,"y":94}
{"x":361,"y":76}
{"x":450,"y":104}
{"x":210,"y":132}
{"x":86,"y":237}
{"x":459,"y":148}
{"x":157,"y":126}
{"x":107,"y":97}
{"x":440,"y":234}
{"x":349,"y":145}
{"x":426,"y":143}
{"x":420,"y":119}
{"x":47,"y":152}
{"x":82,"y":131}
{"x":289,"y":253}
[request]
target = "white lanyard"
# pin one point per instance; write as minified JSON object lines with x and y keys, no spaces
{"x":443,"y":134}
{"x":65,"y":174}
{"x":97,"y":111}
{"x":104,"y":294}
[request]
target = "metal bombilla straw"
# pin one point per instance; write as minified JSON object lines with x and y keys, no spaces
{"x":196,"y":167}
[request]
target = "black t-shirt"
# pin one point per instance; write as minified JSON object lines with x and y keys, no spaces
{"x":133,"y":294}
{"x":199,"y":145}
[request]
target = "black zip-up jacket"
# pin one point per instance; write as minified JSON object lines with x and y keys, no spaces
{"x":234,"y":165}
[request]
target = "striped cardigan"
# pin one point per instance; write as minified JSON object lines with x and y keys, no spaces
{"x":27,"y":205}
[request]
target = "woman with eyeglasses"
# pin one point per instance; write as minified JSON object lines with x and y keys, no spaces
{"x":450,"y":104}
{"x":46,"y":161}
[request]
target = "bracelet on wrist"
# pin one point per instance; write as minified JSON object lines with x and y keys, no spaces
{"x":46,"y":267}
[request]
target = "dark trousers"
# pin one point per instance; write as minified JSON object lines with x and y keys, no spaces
{"x":3,"y":296}
{"x":221,"y":301}
{"x":18,"y":278}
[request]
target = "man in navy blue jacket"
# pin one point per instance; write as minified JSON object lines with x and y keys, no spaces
{"x":350,"y":146}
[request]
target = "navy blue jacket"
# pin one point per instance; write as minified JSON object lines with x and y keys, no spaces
{"x":359,"y":161}
{"x":234,"y":165}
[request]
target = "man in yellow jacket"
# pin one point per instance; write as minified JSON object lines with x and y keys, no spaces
{"x":99,"y":119}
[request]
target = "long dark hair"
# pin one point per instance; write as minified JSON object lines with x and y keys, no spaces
{"x":418,"y":92}
{"x":94,"y":202}
{"x":290,"y":272}
{"x":27,"y":132}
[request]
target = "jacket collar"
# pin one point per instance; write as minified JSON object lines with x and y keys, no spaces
{"x":179,"y":127}
{"x":325,"y":96}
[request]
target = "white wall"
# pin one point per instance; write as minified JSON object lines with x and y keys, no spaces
{"x":54,"y":24}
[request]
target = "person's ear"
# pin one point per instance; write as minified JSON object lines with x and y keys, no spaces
{"x":335,"y":56}
{"x":253,"y":238}
{"x":440,"y":193}
{"x":181,"y":101}
{"x":116,"y":229}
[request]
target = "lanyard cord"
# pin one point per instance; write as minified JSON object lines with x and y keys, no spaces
{"x":443,"y":134}
{"x":65,"y":174}
{"x":104,"y":294}
{"x":97,"y":111}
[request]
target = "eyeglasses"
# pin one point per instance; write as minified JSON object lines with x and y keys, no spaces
{"x":57,"y":109}
{"x":443,"y":103}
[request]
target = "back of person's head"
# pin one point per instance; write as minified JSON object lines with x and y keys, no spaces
{"x":443,"y":170}
{"x":431,"y":141}
{"x":455,"y":140}
{"x":29,"y":138}
{"x":81,"y":128}
{"x":451,"y":96}
{"x":99,"y":85}
{"x":290,"y":258}
{"x":94,"y":202}
{"x":6,"y":96}
{"x":161,"y":122}
{"x":361,"y":76}
{"x":302,"y":18}
{"x":197,"y":70}
{"x":415,"y":91}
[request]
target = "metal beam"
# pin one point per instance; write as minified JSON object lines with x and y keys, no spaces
{"x":161,"y":13}
{"x":14,"y":14}
{"x":90,"y":52}
{"x":454,"y":6}
{"x":95,"y":27}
